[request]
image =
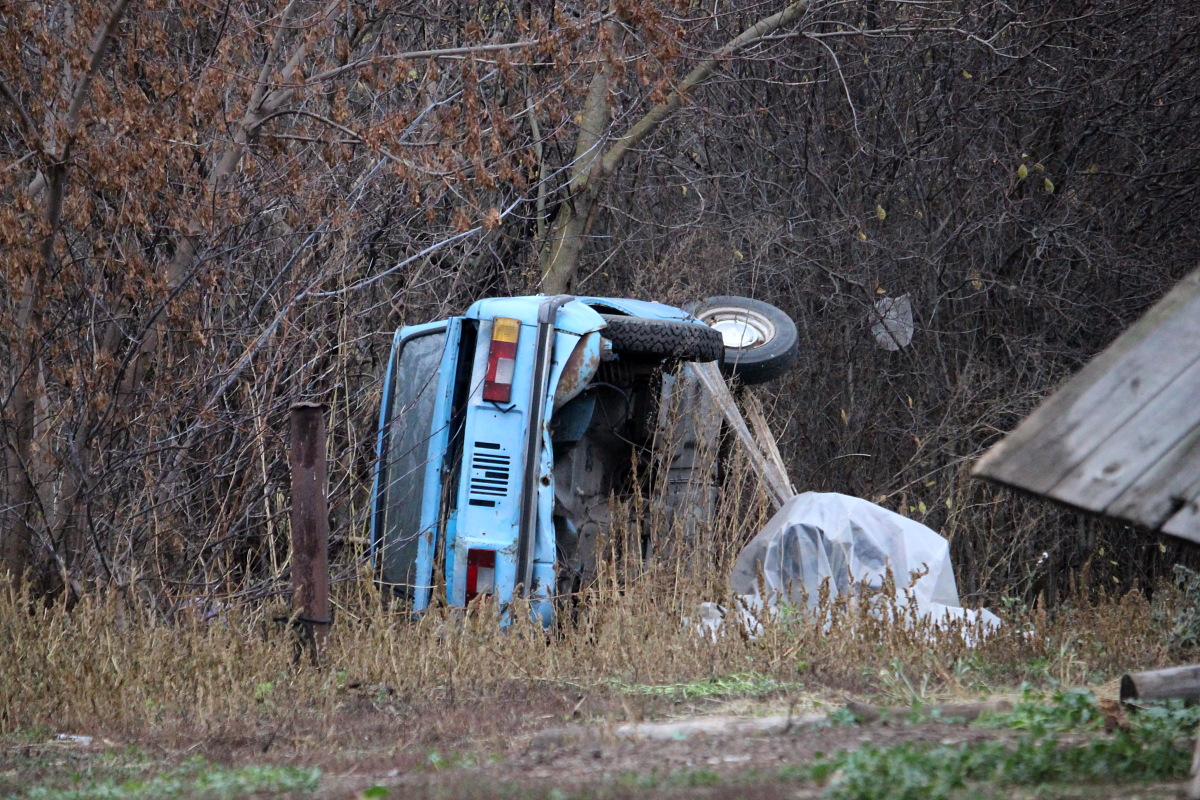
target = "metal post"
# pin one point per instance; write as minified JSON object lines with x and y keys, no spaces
{"x":310,"y":525}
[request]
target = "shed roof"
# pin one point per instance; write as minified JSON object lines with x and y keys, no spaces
{"x":1122,"y":437}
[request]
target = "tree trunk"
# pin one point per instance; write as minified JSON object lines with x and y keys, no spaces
{"x":29,"y":457}
{"x":560,"y":255}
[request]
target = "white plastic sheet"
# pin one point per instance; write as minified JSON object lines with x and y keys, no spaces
{"x":893,"y":325}
{"x":851,"y":543}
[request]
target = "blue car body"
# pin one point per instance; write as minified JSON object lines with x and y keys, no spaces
{"x":465,"y":486}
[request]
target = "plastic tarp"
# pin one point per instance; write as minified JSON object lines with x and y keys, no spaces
{"x":851,"y":543}
{"x":893,"y":325}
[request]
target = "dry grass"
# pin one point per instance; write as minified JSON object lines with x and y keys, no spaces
{"x":112,"y":664}
{"x":105,"y":665}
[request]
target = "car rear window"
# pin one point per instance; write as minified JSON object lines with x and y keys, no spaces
{"x":414,"y":388}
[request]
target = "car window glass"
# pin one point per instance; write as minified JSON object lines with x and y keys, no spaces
{"x":413,"y":394}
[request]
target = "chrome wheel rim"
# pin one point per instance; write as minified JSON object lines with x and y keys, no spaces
{"x":740,"y":328}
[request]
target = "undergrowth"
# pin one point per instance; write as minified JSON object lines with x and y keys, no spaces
{"x":194,"y":778}
{"x":1044,"y":752}
{"x":126,"y":663}
{"x":109,"y":665}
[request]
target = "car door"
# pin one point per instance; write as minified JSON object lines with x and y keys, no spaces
{"x":414,"y":443}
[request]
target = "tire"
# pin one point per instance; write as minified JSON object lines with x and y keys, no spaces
{"x":662,"y":338}
{"x":760,"y":340}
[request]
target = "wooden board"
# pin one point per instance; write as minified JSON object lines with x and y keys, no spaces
{"x":773,"y":475}
{"x":1123,"y":436}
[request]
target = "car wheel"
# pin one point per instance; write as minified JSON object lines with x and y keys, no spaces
{"x":662,"y":338}
{"x":760,"y":340}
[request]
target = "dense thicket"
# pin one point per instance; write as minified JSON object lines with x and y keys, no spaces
{"x":213,"y":210}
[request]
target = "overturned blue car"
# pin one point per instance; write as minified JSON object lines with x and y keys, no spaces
{"x":502,"y":432}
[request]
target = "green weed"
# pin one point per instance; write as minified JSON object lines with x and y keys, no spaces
{"x":674,"y":779}
{"x":262,"y":691}
{"x":895,"y":686}
{"x":195,"y":779}
{"x":437,"y":761}
{"x":913,"y":771}
{"x":1065,"y":710}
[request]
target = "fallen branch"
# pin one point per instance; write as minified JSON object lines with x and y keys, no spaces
{"x":1182,"y":683}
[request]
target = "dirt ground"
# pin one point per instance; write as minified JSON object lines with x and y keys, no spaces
{"x":550,"y":742}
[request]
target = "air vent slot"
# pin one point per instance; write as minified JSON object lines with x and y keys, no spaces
{"x":491,"y":470}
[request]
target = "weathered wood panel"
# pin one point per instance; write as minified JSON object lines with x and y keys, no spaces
{"x":1186,"y":523}
{"x":1123,"y":436}
{"x":774,"y":477}
{"x":1160,"y":492}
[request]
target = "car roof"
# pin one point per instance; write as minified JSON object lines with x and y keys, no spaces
{"x":636,"y":308}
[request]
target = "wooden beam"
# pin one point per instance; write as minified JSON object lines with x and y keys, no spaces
{"x":766,"y":440}
{"x":310,"y":526}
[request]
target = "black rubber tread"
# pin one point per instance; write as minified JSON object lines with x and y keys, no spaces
{"x":662,"y":338}
{"x":758,"y":364}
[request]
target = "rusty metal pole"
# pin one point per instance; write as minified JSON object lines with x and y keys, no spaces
{"x":310,"y":525}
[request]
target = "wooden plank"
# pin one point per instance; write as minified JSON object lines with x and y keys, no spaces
{"x":1106,"y":394}
{"x":777,"y":485}
{"x":766,"y":440}
{"x":310,"y":526}
{"x":1164,"y":490}
{"x":1186,"y":522}
{"x":1141,"y":452}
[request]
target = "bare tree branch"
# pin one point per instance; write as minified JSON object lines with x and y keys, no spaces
{"x":566,"y":233}
{"x":540,"y":155}
{"x":657,"y":115}
{"x":356,"y":138}
{"x":416,"y":55}
{"x":263,"y":102}
{"x":27,"y":127}
{"x":561,"y":254}
{"x":99,"y":46}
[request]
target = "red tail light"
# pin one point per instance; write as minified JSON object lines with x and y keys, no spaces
{"x":502,"y":358}
{"x":481,"y":573}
